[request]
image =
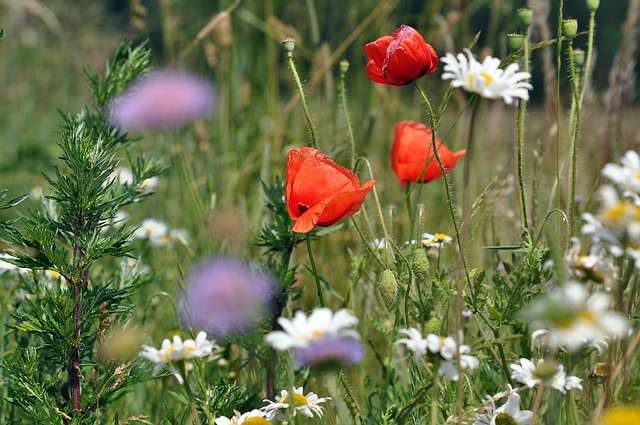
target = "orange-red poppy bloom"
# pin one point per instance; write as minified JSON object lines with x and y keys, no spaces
{"x":412,"y":150}
{"x":319,"y":191}
{"x":399,"y":59}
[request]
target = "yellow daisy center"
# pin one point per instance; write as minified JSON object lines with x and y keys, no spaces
{"x":505,"y":419}
{"x":256,"y":421}
{"x":488,"y":78}
{"x":298,"y":400}
{"x":440,"y":237}
{"x":622,"y":416}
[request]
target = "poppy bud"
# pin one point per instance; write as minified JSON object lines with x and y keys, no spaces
{"x":388,"y":287}
{"x":399,"y":59}
{"x":420,"y":264}
{"x":578,"y":57}
{"x":525,"y":17}
{"x":569,"y":28}
{"x":344,"y":66}
{"x":515,"y":42}
{"x":593,"y":5}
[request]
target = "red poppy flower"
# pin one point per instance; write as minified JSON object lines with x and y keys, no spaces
{"x":412,"y":149}
{"x":400,"y":59}
{"x":319,"y":191}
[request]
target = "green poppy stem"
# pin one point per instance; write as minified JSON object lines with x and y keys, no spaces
{"x":303,"y":99}
{"x":576,"y":139}
{"x":522,"y":109}
{"x":315,"y":271}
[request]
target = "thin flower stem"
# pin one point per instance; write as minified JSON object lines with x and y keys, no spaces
{"x":522,"y":108}
{"x":558,"y":75}
{"x":467,"y":168}
{"x":435,"y":394}
{"x":303,"y":99}
{"x":315,"y":271}
{"x":445,"y":176}
{"x":187,"y":387}
{"x":587,"y":65}
{"x":366,"y":243}
{"x":342,"y":93}
{"x":574,"y":146}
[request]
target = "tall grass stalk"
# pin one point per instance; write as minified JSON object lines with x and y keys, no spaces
{"x":522,"y":110}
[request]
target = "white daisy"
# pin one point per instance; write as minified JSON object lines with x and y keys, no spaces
{"x":528,"y":373}
{"x":436,"y":240}
{"x":159,"y":234}
{"x":414,"y":342}
{"x":627,"y":175}
{"x":305,"y":405}
{"x":323,"y":323}
{"x":178,"y":350}
{"x":487,"y":78}
{"x":509,"y":413}
{"x":447,"y":349}
{"x":254,"y":417}
{"x":124,"y":176}
{"x":571,"y":318}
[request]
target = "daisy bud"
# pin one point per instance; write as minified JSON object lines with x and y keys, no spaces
{"x":592,"y":5}
{"x":432,"y":326}
{"x":578,"y":57}
{"x":515,"y":42}
{"x":289,"y":44}
{"x":569,"y":28}
{"x":420,"y":264}
{"x":388,"y":287}
{"x":525,"y":17}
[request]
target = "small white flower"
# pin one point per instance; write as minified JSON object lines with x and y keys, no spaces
{"x":506,"y":414}
{"x":300,"y":331}
{"x":487,"y":78}
{"x":159,"y":234}
{"x":178,"y":350}
{"x":627,"y":175}
{"x":448,"y":365}
{"x":436,"y":240}
{"x":525,"y":372}
{"x":447,"y":348}
{"x":124,"y":176}
{"x":571,"y":318}
{"x":414,"y":342}
{"x":257,"y":418}
{"x":305,"y":405}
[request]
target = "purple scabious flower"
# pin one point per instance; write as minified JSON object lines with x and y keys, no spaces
{"x":226,"y":296}
{"x":329,"y":353}
{"x":161,"y":100}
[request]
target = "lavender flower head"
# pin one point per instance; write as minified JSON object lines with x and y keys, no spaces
{"x":161,"y":100}
{"x":226,"y":296}
{"x":329,"y":353}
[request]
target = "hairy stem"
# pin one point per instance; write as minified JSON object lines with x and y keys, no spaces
{"x":303,"y":99}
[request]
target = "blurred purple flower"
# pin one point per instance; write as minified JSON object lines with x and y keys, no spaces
{"x":329,"y":353}
{"x":161,"y":100}
{"x":226,"y":296}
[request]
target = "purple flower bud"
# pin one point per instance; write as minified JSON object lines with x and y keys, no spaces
{"x":226,"y":296}
{"x":161,"y":100}
{"x":330,"y":353}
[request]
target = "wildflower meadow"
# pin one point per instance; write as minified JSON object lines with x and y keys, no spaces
{"x":245,"y":213}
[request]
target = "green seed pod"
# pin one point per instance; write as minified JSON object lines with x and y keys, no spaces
{"x":593,"y":5}
{"x":569,"y":28}
{"x":515,"y":42}
{"x":344,"y":66}
{"x":289,"y":44}
{"x":433,"y":326}
{"x":525,"y":17}
{"x":420,"y":264}
{"x":388,"y":287}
